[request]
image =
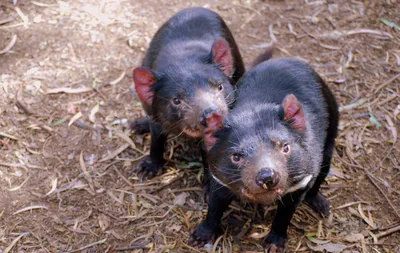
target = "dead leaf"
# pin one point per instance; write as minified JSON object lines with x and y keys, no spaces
{"x":317,"y":241}
{"x":392,"y":128}
{"x":365,"y":218}
{"x":354,"y":237}
{"x":86,"y":173}
{"x":69,"y":90}
{"x":259,"y":235}
{"x":114,"y":153}
{"x":115,"y":234}
{"x":396,"y":111}
{"x":53,"y":187}
{"x":75,"y":184}
{"x":74,"y":118}
{"x":92,"y":116}
{"x":328,"y":247}
{"x":10,"y":45}
{"x":180,"y":200}
{"x":175,"y":227}
{"x":71,"y":108}
{"x":114,"y":82}
{"x":29,"y":208}
{"x":104,"y":222}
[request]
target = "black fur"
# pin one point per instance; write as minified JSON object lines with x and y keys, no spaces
{"x":256,"y":117}
{"x":180,"y":57}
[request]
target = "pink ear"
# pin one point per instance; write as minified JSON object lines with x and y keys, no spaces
{"x":221,"y":54}
{"x":294,"y":112}
{"x":144,"y":79}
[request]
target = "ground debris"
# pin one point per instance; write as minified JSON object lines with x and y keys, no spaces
{"x":66,"y":150}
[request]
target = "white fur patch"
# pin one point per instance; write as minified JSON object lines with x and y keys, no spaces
{"x":300,"y":185}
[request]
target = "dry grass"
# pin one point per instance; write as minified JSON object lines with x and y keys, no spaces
{"x":66,"y":149}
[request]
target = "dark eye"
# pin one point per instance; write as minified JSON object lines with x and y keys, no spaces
{"x":286,"y":148}
{"x":176,"y":101}
{"x":220,"y":87}
{"x":235,"y":157}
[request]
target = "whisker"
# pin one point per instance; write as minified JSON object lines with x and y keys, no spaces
{"x":176,"y":136}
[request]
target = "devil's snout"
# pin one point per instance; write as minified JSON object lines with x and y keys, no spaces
{"x":210,"y":111}
{"x":267,"y":178}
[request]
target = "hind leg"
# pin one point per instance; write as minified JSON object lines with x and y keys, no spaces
{"x":314,"y":198}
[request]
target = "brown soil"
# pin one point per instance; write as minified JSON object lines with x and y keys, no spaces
{"x":66,"y":188}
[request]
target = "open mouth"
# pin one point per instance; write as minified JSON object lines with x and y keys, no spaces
{"x":261,"y":196}
{"x":194,"y":133}
{"x":212,"y":125}
{"x":203,"y":122}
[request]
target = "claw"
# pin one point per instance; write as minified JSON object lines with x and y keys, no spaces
{"x":147,"y":169}
{"x":201,"y":235}
{"x":272,"y":248}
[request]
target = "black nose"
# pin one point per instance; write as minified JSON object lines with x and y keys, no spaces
{"x":209,"y":111}
{"x":267,"y":178}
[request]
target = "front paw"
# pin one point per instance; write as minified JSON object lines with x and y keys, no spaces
{"x":141,"y":126}
{"x":148,"y":168}
{"x":318,"y":204}
{"x":201,"y":235}
{"x":275,"y":243}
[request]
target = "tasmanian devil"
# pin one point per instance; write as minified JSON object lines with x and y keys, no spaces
{"x":275,"y":144}
{"x":188,"y":74}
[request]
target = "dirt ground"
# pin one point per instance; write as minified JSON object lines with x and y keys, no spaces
{"x":66,"y":149}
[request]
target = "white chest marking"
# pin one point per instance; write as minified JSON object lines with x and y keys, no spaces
{"x":300,"y":185}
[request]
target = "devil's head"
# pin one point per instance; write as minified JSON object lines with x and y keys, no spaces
{"x":184,"y":94}
{"x":259,"y":151}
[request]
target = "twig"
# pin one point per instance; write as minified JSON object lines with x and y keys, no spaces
{"x":10,"y":45}
{"x":388,"y":232}
{"x":104,"y":212}
{"x":11,"y":164}
{"x":350,"y":204}
{"x":386,"y":83}
{"x":165,"y":185}
{"x":22,"y":16}
{"x":370,"y":176}
{"x":8,"y":136}
{"x":9,"y":248}
{"x":248,"y":8}
{"x":123,"y":178}
{"x":126,"y":138}
{"x":247,"y":21}
{"x":69,"y":90}
{"x":88,"y":246}
{"x":19,"y":186}
{"x":86,"y":174}
{"x":271,"y":34}
{"x":115,"y":153}
{"x":140,"y":246}
{"x":116,"y":81}
{"x":338,"y":34}
{"x":5,"y":21}
{"x":353,"y":105}
{"x":83,"y":125}
{"x":29,"y":208}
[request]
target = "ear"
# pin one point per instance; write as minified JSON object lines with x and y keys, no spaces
{"x":222,"y":55}
{"x":144,"y":79}
{"x":293,"y":112}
